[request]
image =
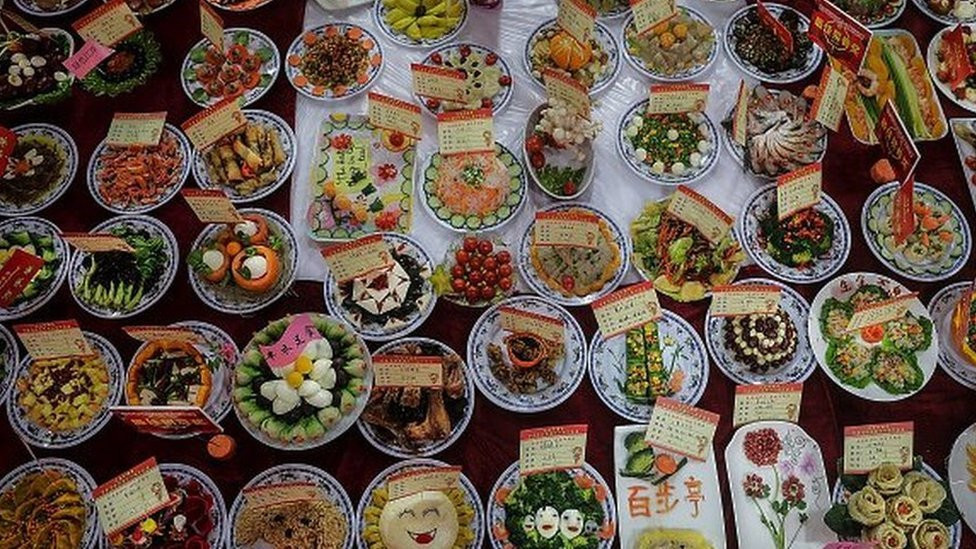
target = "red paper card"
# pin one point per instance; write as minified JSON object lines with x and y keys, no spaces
{"x":167,"y":420}
{"x":8,"y":141}
{"x":956,"y":57}
{"x":773,"y":23}
{"x":843,"y":37}
{"x":16,"y":273}
{"x":898,"y":147}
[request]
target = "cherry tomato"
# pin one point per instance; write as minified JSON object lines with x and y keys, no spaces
{"x":491,"y":278}
{"x":537,"y":159}
{"x":505,"y":80}
{"x":465,"y":50}
{"x":470,"y":244}
{"x":459,"y":285}
{"x":534,"y":144}
{"x":503,"y":257}
{"x":568,"y":283}
{"x":486,"y":103}
{"x":505,"y":284}
{"x":472,"y":294}
{"x":505,"y":270}
{"x":569,"y":187}
{"x":436,"y":58}
{"x":490,"y":264}
{"x":474,"y":277}
{"x":433,"y":104}
{"x":491,"y":59}
{"x":487,"y":293}
{"x":461,"y":256}
{"x":485,"y":247}
{"x":475,"y":262}
{"x":457,"y":271}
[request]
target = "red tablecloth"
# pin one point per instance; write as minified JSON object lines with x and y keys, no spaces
{"x":941,"y":411}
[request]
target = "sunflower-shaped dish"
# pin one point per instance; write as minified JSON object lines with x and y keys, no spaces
{"x":334,"y":61}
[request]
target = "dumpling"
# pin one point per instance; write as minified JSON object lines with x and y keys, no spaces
{"x":931,"y":534}
{"x":904,"y":513}
{"x":886,"y":479}
{"x":928,"y":493}
{"x":887,"y":535}
{"x":867,"y":506}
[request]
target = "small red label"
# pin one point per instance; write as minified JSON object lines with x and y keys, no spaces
{"x":779,"y":29}
{"x":956,"y":57}
{"x":898,"y":147}
{"x":16,"y":274}
{"x":8,"y":140}
{"x":87,"y":58}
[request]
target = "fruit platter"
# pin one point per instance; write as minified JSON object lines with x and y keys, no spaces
{"x":362,"y":180}
{"x":488,"y":83}
{"x":246,"y":64}
{"x":420,"y":23}
{"x":883,"y":362}
{"x":244,"y":267}
{"x":308,"y":401}
{"x":474,"y":192}
{"x":594,"y":64}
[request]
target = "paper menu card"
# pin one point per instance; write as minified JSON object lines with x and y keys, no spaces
{"x":566,"y":228}
{"x":211,"y":25}
{"x":768,"y":401}
{"x":147,"y":333}
{"x":868,"y":446}
{"x":53,"y":339}
{"x":677,"y":98}
{"x":292,"y":343}
{"x":828,"y":102}
{"x":108,"y":24}
{"x":740,"y":114}
{"x":651,"y":13}
{"x":697,"y":211}
{"x":8,"y":141}
{"x":956,"y":56}
{"x":899,"y":148}
{"x":356,"y":258}
{"x":515,"y":321}
{"x":97,"y":242}
{"x":266,"y":495}
{"x":405,"y":370}
{"x":881,"y":312}
{"x":552,"y":448}
{"x":568,"y":90}
{"x":413,"y":481}
{"x":460,"y":132}
{"x":16,"y":273}
{"x":578,"y":18}
{"x":627,"y":308}
{"x":744,"y":299}
{"x":798,"y":190}
{"x":142,"y":129}
{"x":680,"y":428}
{"x":439,"y":82}
{"x":131,"y":497}
{"x":86,"y":58}
{"x":394,"y":114}
{"x":167,"y":420}
{"x":690,"y":499}
{"x":210,"y":125}
{"x":211,"y":205}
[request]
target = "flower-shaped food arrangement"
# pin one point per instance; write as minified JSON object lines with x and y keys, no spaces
{"x":362,"y":180}
{"x":593,"y":63}
{"x":295,"y":399}
{"x":779,"y":487}
{"x":39,"y":169}
{"x":476,"y":272}
{"x":333,"y":61}
{"x":134,"y":61}
{"x":779,"y":137}
{"x":896,"y":509}
{"x":195,"y":518}
{"x":420,"y":22}
{"x":561,"y":508}
{"x":488,"y":78}
{"x":247,"y":65}
{"x":139,"y":178}
{"x":559,"y":149}
{"x":667,"y":148}
{"x":31,"y":65}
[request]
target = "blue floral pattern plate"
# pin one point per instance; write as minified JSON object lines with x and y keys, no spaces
{"x":37,"y":226}
{"x":940,"y":309}
{"x":602,"y":36}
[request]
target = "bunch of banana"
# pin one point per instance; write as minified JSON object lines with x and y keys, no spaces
{"x":423,"y":19}
{"x":971,"y":465}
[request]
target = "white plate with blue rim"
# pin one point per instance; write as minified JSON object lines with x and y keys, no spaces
{"x":10,"y":355}
{"x":97,"y":163}
{"x":45,"y":240}
{"x":940,"y":309}
{"x":470,"y":494}
{"x":799,"y":366}
{"x":64,"y":146}
{"x":750,"y":232}
{"x":682,"y":351}
{"x":601,"y":35}
{"x":788,"y":76}
{"x":379,"y":19}
{"x":39,"y":435}
{"x":691,"y":72}
{"x":330,"y":490}
{"x":385,"y":441}
{"x":486,"y":339}
{"x":452,"y":56}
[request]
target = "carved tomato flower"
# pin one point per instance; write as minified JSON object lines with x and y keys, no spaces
{"x":793,"y":490}
{"x":342,"y":141}
{"x":387,"y":172}
{"x":755,"y":487}
{"x":762,"y":446}
{"x":387,"y":220}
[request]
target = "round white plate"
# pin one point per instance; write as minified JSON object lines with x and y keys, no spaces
{"x":256,"y":41}
{"x":643,"y":170}
{"x":824,"y":267}
{"x":330,"y":488}
{"x":471,"y":493}
{"x":949,"y":20}
{"x":30,"y":7}
{"x":842,"y":288}
{"x":784,"y":77}
{"x":37,"y":435}
{"x":39,"y":226}
{"x":940,"y":309}
{"x":488,"y":330}
{"x":539,"y":286}
{"x":601,"y":34}
{"x":681,"y":348}
{"x":91,"y":537}
{"x":510,"y":478}
{"x":153,"y":293}
{"x":11,"y":361}
{"x":932,"y":60}
{"x":288,"y":145}
{"x":407,"y":246}
{"x":387,"y":444}
{"x":95,"y":166}
{"x":499,"y":100}
{"x":878,"y":205}
{"x":402,"y":39}
{"x":232,"y":300}
{"x":69,"y":167}
{"x":689,"y":74}
{"x":798,"y":369}
{"x":960,"y":477}
{"x":297,"y":47}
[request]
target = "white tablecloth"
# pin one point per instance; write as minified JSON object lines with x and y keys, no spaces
{"x":616,"y":190}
